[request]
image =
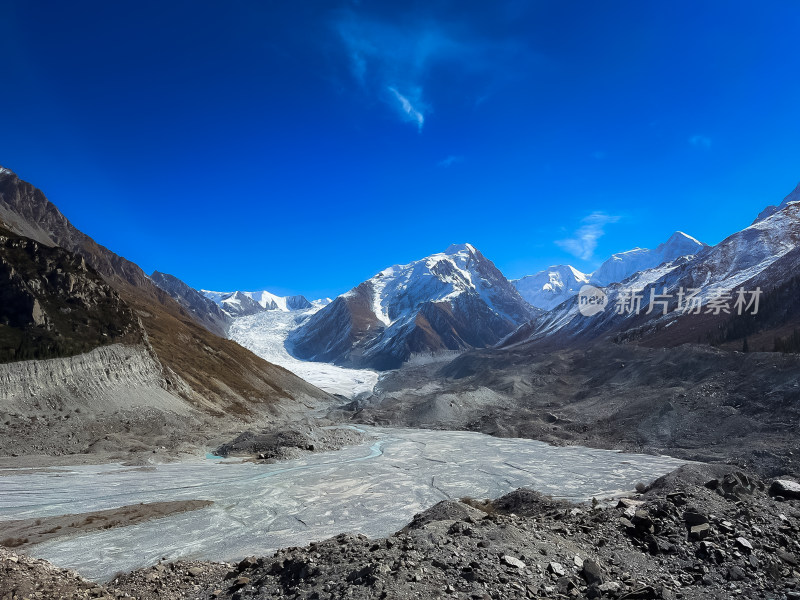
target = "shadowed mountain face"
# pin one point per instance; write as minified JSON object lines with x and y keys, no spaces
{"x":448,"y":301}
{"x":53,"y":304}
{"x":214,"y":374}
{"x":204,"y":311}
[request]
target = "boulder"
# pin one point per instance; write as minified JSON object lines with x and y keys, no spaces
{"x":513,"y":562}
{"x":591,"y":572}
{"x":786,"y":488}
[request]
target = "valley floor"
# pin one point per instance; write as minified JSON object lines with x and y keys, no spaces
{"x":373,"y":488}
{"x":701,"y":532}
{"x":693,"y":403}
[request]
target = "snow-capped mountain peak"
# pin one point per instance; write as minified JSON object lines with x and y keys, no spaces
{"x":624,"y":264}
{"x":441,"y":277}
{"x":549,"y":288}
{"x":460,"y":249}
{"x":680,"y":244}
{"x":793,"y":196}
{"x":238,"y":303}
{"x":449,"y":300}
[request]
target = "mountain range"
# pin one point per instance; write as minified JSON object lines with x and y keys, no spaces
{"x":454,"y":300}
{"x":549,"y":288}
{"x":760,"y":257}
{"x":457,"y":299}
{"x":98,"y":358}
{"x":240,"y":304}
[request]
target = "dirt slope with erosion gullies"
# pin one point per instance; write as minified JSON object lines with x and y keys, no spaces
{"x":691,"y":402}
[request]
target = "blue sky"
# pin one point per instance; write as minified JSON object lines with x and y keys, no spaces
{"x":303,"y":146}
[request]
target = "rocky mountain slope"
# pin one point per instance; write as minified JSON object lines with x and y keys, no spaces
{"x":774,"y":327}
{"x":448,"y":301}
{"x":204,"y":311}
{"x":53,"y":304}
{"x":27,"y":212}
{"x":116,"y":399}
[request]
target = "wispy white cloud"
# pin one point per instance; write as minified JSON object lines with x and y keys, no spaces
{"x":411,"y":113}
{"x":450,"y":161}
{"x":583,"y":241}
{"x":400,"y":56}
{"x":700,"y":140}
{"x":385,"y":57}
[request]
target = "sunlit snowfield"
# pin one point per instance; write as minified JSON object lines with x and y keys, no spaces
{"x":265,"y":333}
{"x":374,"y":488}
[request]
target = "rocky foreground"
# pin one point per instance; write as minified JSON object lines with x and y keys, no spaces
{"x":699,"y":532}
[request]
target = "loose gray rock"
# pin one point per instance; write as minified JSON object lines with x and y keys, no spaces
{"x":513,"y":562}
{"x":591,"y":572}
{"x":785,"y":488}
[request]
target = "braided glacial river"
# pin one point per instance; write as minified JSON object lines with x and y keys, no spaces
{"x":374,"y":489}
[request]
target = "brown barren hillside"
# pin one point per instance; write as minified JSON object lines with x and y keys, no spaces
{"x":214,"y":374}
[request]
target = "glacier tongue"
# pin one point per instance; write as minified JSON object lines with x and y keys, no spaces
{"x":265,"y":335}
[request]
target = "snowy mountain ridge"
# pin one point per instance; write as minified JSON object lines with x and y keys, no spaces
{"x":239,"y":304}
{"x":450,"y":300}
{"x":624,"y":264}
{"x":714,"y":272}
{"x":549,"y":288}
{"x":440,"y":277}
{"x":793,"y":196}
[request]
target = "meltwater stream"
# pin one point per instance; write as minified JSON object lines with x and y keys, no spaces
{"x":372,"y":489}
